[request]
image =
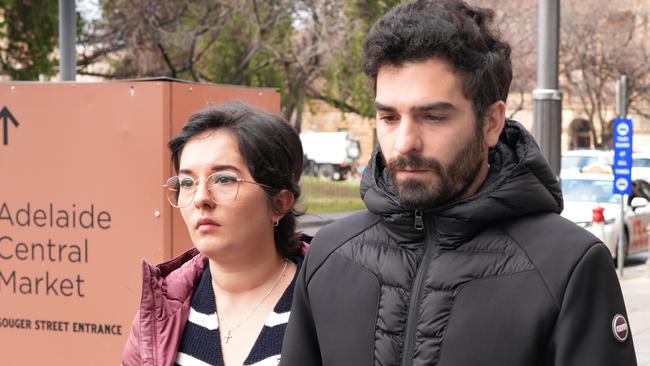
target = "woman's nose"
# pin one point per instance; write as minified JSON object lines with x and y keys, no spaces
{"x":202,"y":196}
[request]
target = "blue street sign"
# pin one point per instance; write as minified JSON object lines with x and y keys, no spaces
{"x":622,"y":156}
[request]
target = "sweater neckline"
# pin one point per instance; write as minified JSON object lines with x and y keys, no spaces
{"x":200,"y":339}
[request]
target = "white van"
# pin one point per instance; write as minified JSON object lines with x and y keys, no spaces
{"x":330,"y":155}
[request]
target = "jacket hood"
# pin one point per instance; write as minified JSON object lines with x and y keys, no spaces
{"x":519,"y":182}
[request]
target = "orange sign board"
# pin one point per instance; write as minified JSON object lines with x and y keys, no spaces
{"x":81,"y":203}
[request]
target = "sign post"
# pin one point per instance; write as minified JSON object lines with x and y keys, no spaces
{"x":622,"y":136}
{"x":622,"y":177}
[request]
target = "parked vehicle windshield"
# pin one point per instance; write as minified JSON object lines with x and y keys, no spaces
{"x":579,"y":162}
{"x":641,"y":162}
{"x":588,"y":190}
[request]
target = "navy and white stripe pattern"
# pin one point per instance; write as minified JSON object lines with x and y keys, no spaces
{"x":200,"y":344}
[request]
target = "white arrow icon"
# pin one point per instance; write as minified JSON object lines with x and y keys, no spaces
{"x":621,"y":184}
{"x":623,"y":129}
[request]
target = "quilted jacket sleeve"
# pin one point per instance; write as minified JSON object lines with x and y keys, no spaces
{"x":131,"y":351}
{"x":583,"y":333}
{"x":300,"y":346}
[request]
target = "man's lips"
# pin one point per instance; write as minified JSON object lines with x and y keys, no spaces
{"x":418,"y":174}
{"x":408,"y":172}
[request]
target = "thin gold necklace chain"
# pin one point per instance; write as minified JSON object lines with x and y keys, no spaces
{"x":259,"y":303}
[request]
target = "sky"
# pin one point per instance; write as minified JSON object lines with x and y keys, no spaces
{"x":89,"y":9}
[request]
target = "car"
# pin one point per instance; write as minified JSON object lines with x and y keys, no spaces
{"x":582,"y":192}
{"x":601,"y":161}
{"x":641,"y":166}
{"x":580,"y":160}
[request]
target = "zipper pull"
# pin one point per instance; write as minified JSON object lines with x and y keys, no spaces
{"x":419,"y":222}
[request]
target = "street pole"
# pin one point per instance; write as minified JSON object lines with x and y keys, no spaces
{"x":67,"y":40}
{"x":621,"y":107}
{"x":547,"y":98}
{"x":621,"y":97}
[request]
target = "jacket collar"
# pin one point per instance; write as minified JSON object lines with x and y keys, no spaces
{"x":519,"y":183}
{"x":167,"y":286}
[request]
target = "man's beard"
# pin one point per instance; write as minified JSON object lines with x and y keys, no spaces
{"x":452,"y":182}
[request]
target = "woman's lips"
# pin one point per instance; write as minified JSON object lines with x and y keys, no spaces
{"x":205,"y":224}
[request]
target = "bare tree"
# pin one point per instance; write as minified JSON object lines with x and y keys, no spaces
{"x":516,"y":20}
{"x":156,"y":38}
{"x":318,"y":31}
{"x":595,"y":51}
{"x":244,"y":52}
{"x":227,"y":41}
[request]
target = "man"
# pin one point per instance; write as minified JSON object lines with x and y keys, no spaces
{"x":461,"y":258}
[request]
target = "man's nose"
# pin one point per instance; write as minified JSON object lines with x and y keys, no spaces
{"x":408,"y":137}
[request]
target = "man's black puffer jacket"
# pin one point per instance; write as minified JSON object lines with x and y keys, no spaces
{"x":496,"y":279}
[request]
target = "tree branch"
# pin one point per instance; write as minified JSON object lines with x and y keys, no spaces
{"x":168,"y":62}
{"x":338,"y":104}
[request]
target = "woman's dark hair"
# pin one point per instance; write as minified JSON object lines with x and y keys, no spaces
{"x":270,"y":147}
{"x":449,"y":30}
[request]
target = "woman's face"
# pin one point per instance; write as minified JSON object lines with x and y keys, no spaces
{"x":232,"y":229}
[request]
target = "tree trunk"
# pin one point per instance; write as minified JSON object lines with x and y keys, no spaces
{"x":300,"y":105}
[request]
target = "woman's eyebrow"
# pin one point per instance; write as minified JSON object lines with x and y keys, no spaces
{"x":214,"y":168}
{"x":220,"y":167}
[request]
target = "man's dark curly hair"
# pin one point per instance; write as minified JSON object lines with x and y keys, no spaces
{"x":449,"y":30}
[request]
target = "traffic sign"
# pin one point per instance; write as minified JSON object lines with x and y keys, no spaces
{"x":622,"y":156}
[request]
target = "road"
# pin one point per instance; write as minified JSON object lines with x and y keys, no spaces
{"x":635,"y":284}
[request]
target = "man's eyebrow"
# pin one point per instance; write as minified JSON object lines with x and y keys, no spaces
{"x":436,"y":106}
{"x":439,"y":106}
{"x":384,"y":108}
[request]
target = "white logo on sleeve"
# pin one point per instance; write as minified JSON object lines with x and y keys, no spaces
{"x":620,"y":328}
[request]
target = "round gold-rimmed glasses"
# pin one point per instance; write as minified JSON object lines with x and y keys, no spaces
{"x":223,"y":188}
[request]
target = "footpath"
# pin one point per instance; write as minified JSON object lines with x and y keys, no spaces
{"x":635,"y":284}
{"x":311,"y":222}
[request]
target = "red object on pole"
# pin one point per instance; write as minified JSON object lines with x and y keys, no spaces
{"x":597,"y":214}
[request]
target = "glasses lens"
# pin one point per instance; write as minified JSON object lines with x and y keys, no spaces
{"x":180,"y":191}
{"x":223,"y":187}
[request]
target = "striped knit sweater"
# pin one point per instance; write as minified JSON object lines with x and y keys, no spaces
{"x":200,"y":344}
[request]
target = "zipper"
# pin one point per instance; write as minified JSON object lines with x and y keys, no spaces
{"x":419,"y":222}
{"x":414,"y":306}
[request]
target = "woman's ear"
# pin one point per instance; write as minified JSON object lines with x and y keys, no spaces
{"x":281,"y":204}
{"x":495,"y":118}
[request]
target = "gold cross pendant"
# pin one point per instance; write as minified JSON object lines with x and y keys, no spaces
{"x":228,"y":336}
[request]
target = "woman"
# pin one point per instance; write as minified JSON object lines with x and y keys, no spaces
{"x":227,"y":300}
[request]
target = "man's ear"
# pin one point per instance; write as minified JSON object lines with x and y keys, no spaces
{"x":493,"y":123}
{"x":281,"y":203}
